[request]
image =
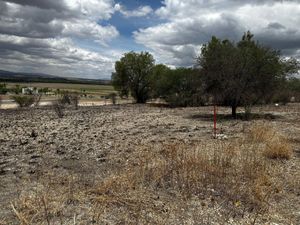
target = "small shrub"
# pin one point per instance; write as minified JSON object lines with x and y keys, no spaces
{"x":23,"y":100}
{"x":58,"y":109}
{"x":75,"y":100}
{"x":3,"y":89}
{"x":276,"y":145}
{"x":37,"y":99}
{"x":17,"y":89}
{"x":186,"y":100}
{"x":113,"y":98}
{"x":65,"y":98}
{"x":68,"y":98}
{"x":278,"y":149}
{"x":261,"y":133}
{"x":248,"y":112}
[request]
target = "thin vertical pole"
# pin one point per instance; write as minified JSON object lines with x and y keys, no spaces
{"x":215,"y":121}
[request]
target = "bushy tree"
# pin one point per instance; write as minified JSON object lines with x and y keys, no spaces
{"x":17,"y":89}
{"x":44,"y":90}
{"x":23,"y":100}
{"x":161,"y":81}
{"x":241,"y":74}
{"x":3,"y":89}
{"x":179,"y":87}
{"x":293,"y":86}
{"x":133,"y":75}
{"x":120,"y":80}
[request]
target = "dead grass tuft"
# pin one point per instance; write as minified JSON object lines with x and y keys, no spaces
{"x":278,"y":149}
{"x":276,"y":145}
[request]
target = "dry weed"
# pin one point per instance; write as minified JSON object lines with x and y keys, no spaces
{"x":276,"y":145}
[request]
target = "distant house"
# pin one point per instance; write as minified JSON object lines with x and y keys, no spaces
{"x":29,"y":91}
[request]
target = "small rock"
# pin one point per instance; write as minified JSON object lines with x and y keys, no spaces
{"x":221,"y":137}
{"x":24,"y":142}
{"x":33,"y":134}
{"x":60,"y":152}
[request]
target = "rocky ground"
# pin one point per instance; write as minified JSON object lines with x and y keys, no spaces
{"x":100,"y":140}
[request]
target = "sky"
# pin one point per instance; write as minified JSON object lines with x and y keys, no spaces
{"x":84,"y":38}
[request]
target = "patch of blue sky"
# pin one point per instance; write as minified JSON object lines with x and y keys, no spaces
{"x":132,"y":4}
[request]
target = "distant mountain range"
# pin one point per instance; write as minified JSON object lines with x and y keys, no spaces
{"x":8,"y":76}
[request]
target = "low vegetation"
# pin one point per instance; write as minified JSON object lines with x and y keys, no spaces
{"x":75,"y":100}
{"x":69,"y":98}
{"x":24,"y":100}
{"x":113,"y":98}
{"x":65,"y":98}
{"x":58,"y":108}
{"x":37,"y":99}
{"x":276,"y":146}
{"x":235,"y":175}
{"x":3,"y":89}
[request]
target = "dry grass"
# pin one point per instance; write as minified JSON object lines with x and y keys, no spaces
{"x":176,"y":184}
{"x":278,"y":149}
{"x":3,"y":222}
{"x":276,"y":145}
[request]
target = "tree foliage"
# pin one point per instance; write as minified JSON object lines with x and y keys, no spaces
{"x":234,"y":74}
{"x":23,"y":100}
{"x":241,"y":74}
{"x":133,"y":75}
{"x":3,"y":89}
{"x":293,"y":87}
{"x":179,"y":87}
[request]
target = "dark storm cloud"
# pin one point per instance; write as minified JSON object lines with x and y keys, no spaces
{"x":40,"y":19}
{"x":30,"y":28}
{"x":276,"y":26}
{"x":27,"y":21}
{"x":58,"y":5}
{"x":284,"y":42}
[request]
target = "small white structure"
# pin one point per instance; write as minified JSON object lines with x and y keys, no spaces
{"x":29,"y":91}
{"x":293,"y":99}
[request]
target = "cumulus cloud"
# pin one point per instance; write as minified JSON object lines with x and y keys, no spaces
{"x":37,"y":35}
{"x":53,"y":55}
{"x":191,"y":23}
{"x":29,"y":20}
{"x":139,"y":12}
{"x":46,"y":35}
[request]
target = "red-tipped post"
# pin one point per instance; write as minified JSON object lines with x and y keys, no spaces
{"x":215,"y":121}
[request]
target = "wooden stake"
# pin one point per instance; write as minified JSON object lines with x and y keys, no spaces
{"x":215,"y":121}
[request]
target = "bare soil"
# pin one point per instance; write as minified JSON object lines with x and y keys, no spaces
{"x":98,"y":140}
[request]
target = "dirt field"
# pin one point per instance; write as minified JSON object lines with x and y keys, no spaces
{"x":71,"y":170}
{"x":48,"y":101}
{"x":87,"y":88}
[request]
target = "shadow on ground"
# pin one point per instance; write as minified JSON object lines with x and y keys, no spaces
{"x":240,"y":116}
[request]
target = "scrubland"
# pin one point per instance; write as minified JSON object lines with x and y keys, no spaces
{"x":144,"y":164}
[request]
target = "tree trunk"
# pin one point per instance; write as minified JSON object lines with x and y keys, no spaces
{"x":140,"y":100}
{"x":233,"y":111}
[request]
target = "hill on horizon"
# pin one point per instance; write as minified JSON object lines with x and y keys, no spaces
{"x":9,"y":76}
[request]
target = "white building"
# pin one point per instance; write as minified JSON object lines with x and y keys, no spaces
{"x":29,"y":91}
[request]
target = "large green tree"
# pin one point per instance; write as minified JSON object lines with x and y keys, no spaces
{"x":133,"y":75}
{"x":241,"y":74}
{"x":178,"y":87}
